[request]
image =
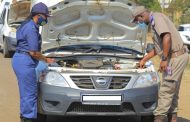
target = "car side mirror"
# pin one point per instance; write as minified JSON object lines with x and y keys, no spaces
{"x":149,"y":47}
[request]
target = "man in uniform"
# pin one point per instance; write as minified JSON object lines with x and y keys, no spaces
{"x":174,"y":58}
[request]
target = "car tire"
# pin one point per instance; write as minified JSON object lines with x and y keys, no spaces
{"x":41,"y":118}
{"x":6,"y":52}
{"x":147,"y":118}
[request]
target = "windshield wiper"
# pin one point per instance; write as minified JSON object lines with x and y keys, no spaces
{"x":94,"y":48}
{"x":125,"y":51}
{"x":98,"y":49}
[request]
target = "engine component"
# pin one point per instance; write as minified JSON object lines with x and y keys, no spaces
{"x":95,"y":64}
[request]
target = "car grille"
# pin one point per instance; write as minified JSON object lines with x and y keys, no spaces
{"x":83,"y":82}
{"x":79,"y":107}
{"x":119,"y":82}
{"x":86,"y":82}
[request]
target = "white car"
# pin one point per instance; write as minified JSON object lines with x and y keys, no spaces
{"x":97,"y":52}
{"x":184,"y":31}
{"x":11,"y":17}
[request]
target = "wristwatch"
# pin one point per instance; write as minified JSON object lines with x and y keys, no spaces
{"x":163,"y":58}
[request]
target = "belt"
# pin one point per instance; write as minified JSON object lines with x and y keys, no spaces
{"x":178,"y":53}
{"x":22,"y":52}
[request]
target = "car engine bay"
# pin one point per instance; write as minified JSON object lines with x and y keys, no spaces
{"x":96,"y":62}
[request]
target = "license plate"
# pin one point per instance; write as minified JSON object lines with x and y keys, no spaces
{"x":90,"y":98}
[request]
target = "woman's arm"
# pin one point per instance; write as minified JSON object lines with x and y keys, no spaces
{"x":39,"y":56}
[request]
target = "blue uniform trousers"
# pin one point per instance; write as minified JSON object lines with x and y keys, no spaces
{"x":24,"y":68}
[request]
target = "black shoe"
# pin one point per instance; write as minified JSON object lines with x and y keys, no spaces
{"x":41,"y":118}
{"x":23,"y":119}
{"x":172,"y":117}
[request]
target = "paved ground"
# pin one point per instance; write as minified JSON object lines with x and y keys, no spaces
{"x":9,"y":99}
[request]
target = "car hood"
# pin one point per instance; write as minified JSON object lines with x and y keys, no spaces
{"x":93,"y":22}
{"x":19,"y":11}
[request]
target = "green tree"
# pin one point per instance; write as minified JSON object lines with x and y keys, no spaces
{"x":179,"y":10}
{"x":185,"y":18}
{"x":152,"y":5}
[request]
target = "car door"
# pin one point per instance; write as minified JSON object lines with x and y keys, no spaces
{"x":2,"y":20}
{"x":1,"y":24}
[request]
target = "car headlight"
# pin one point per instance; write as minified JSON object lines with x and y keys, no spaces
{"x":146,"y":80}
{"x":56,"y":79}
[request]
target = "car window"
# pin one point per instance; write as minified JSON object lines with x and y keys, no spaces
{"x":1,"y":21}
{"x":3,"y":15}
{"x":187,"y":29}
{"x":181,"y":28}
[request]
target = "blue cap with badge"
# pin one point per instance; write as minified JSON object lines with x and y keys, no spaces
{"x":40,"y":8}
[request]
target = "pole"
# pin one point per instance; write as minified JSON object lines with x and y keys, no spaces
{"x":163,"y":5}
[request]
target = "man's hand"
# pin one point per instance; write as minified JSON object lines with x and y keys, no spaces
{"x":166,"y":41}
{"x":151,"y":54}
{"x":163,"y":66}
{"x":142,"y":63}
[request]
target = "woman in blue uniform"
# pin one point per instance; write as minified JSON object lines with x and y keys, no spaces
{"x":26,"y":59}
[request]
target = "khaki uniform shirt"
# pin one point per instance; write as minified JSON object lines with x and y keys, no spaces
{"x":162,"y":24}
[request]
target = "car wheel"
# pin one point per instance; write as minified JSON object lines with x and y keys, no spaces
{"x":41,"y":118}
{"x":6,"y":52}
{"x":147,"y":118}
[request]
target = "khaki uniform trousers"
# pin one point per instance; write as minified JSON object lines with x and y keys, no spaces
{"x":169,"y":87}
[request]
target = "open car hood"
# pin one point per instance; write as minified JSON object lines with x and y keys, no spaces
{"x":19,"y":11}
{"x":96,"y":22}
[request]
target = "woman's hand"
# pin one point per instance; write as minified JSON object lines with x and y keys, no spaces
{"x":39,"y":56}
{"x":50,"y":60}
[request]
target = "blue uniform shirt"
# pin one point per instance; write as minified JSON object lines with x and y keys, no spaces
{"x":28,"y":37}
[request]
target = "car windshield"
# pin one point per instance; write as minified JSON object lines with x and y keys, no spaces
{"x":95,"y":49}
{"x":181,"y":28}
{"x":18,"y":12}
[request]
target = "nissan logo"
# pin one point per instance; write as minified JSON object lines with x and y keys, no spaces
{"x":101,"y":81}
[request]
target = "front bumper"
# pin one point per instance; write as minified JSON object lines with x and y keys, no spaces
{"x":54,"y":100}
